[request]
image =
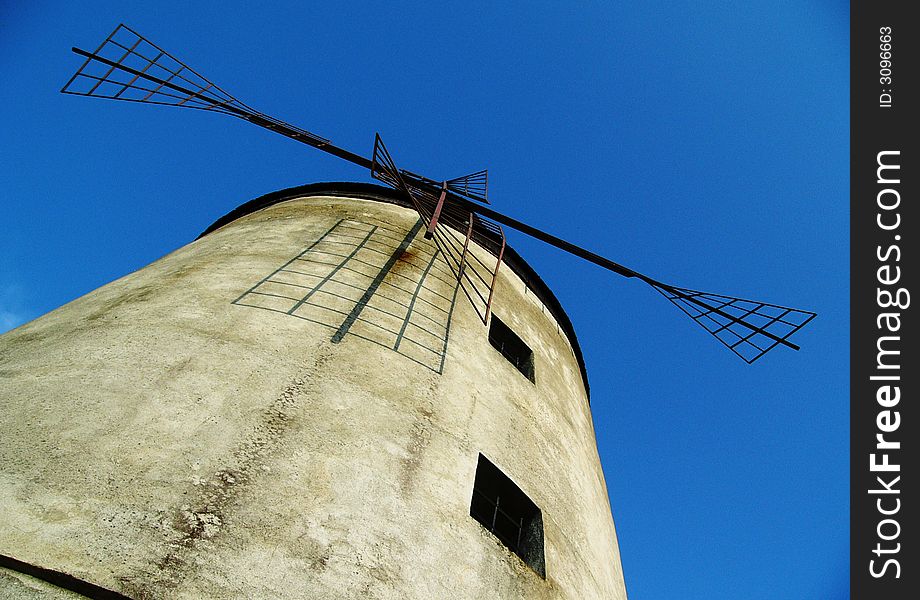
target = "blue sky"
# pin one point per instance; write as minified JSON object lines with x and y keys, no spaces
{"x":705,"y":144}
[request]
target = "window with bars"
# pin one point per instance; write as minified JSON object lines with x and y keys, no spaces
{"x":512,"y":347}
{"x":506,"y":511}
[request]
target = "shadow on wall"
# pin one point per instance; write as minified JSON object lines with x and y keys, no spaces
{"x":363,"y":280}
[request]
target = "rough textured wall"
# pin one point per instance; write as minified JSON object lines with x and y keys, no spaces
{"x":225,"y":423}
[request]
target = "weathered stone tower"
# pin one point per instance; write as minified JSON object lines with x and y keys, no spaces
{"x":302,"y":404}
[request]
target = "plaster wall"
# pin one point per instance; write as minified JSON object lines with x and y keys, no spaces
{"x":178,"y":434}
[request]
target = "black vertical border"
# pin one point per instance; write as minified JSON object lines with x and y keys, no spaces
{"x":875,"y":128}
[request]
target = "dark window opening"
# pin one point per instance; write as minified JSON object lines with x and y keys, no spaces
{"x":506,"y":511}
{"x":512,"y":347}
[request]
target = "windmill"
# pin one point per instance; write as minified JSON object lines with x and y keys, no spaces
{"x":127,"y":66}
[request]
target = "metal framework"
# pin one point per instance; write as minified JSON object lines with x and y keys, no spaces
{"x":127,"y":66}
{"x":477,"y":279}
{"x":749,"y":329}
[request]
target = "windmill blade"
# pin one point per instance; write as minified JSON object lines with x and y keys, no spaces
{"x":383,"y":168}
{"x":424,"y":196}
{"x":748,"y":328}
{"x":475,"y":185}
{"x":129,"y":67}
{"x":458,"y":226}
{"x":757,"y":337}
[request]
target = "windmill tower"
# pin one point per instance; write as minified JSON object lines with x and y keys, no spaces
{"x":302,"y":404}
{"x":337,"y":391}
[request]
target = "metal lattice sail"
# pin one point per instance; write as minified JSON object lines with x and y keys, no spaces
{"x":127,"y":66}
{"x":749,"y":329}
{"x":458,"y":227}
{"x":475,"y":185}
